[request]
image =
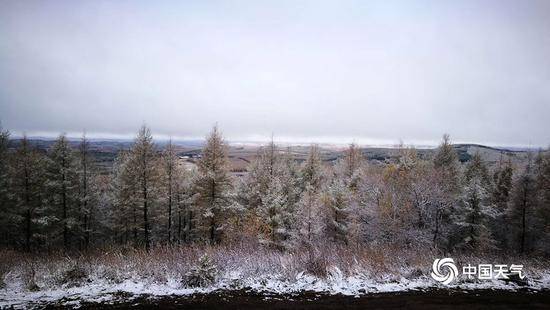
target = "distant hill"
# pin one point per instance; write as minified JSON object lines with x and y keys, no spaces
{"x":105,"y":151}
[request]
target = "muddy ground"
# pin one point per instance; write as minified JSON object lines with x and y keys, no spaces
{"x":430,"y":299}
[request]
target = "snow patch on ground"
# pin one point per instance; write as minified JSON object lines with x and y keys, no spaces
{"x":100,"y":290}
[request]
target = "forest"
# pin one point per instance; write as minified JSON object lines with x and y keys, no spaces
{"x":155,"y":217}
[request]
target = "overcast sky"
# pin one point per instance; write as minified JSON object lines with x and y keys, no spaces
{"x":325,"y":71}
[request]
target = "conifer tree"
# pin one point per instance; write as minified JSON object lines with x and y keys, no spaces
{"x":62,"y":188}
{"x":476,"y":211}
{"x":522,"y":208}
{"x":446,"y":164}
{"x":275,"y":213}
{"x":124,"y":199}
{"x":543,"y":201}
{"x":86,"y":178}
{"x":172,"y":180}
{"x":6,"y":211}
{"x":336,"y":202}
{"x":312,"y":169}
{"x":212,"y":186}
{"x":143,"y":166}
{"x":27,"y":187}
{"x":502,"y":180}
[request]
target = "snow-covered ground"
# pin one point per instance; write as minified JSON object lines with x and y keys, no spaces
{"x":92,"y":289}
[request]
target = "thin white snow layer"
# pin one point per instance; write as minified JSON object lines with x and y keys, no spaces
{"x":99,"y":290}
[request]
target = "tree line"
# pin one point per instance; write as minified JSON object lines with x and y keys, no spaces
{"x":60,"y":199}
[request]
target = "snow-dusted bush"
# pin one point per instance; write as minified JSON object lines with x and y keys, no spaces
{"x":73,"y":274}
{"x":203,"y":274}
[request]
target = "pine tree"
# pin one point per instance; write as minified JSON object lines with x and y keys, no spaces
{"x":62,"y":187}
{"x":212,"y":186}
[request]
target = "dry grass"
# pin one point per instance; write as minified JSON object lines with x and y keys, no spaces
{"x":162,"y":264}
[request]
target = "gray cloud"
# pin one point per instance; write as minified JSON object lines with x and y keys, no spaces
{"x":332,"y":71}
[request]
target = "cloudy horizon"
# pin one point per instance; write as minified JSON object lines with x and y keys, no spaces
{"x":370,"y":72}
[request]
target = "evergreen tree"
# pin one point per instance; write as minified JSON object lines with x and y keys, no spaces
{"x":212,"y":186}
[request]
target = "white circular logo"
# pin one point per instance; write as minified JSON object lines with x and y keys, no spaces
{"x":447,"y":275}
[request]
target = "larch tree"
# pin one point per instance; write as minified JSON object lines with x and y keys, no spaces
{"x":543,"y":201}
{"x":274,"y":212}
{"x":172,"y":180}
{"x":260,"y":173}
{"x":336,"y":201}
{"x":447,"y":180}
{"x":447,"y":165}
{"x":62,"y":188}
{"x":27,"y":179}
{"x":212,"y":186}
{"x":144,"y":167}
{"x":476,"y":210}
{"x":500,"y":197}
{"x":502,"y":179}
{"x":312,"y":169}
{"x":521,"y":210}
{"x":351,"y":164}
{"x":124,"y":199}
{"x":6,"y":219}
{"x":86,"y":177}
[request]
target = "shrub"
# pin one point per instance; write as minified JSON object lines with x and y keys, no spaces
{"x":74,"y":275}
{"x":203,"y":274}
